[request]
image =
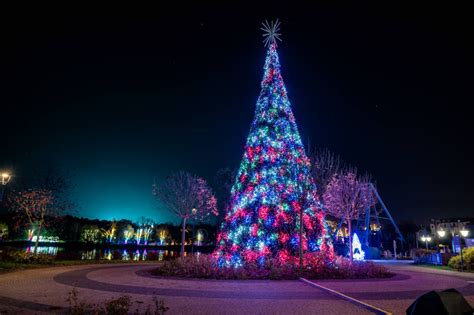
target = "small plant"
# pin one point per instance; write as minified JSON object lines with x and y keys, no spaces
{"x":159,"y":307}
{"x":76,"y":307}
{"x":119,"y":306}
{"x":21,"y":257}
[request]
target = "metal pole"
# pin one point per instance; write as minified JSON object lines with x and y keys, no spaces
{"x":192,"y":244}
{"x":462,"y":261}
{"x":426,"y":242}
{"x":387,"y":212}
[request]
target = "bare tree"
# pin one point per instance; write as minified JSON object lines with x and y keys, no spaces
{"x":325,"y":164}
{"x":346,"y":197}
{"x":188,"y":197}
{"x":36,"y":206}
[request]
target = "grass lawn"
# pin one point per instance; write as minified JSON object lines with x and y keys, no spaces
{"x":441,"y":267}
{"x":9,"y":266}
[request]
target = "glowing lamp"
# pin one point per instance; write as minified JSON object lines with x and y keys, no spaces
{"x":5,"y":178}
{"x":441,"y":233}
{"x":464,"y":233}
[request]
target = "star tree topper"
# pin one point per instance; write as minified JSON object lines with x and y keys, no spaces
{"x":270,"y":32}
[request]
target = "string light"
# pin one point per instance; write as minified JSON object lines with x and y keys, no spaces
{"x":273,"y":186}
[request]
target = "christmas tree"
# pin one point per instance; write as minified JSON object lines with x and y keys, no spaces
{"x":273,"y":186}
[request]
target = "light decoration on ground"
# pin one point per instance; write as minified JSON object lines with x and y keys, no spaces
{"x":358,"y":253}
{"x":31,"y":233}
{"x":138,"y":235}
{"x":273,"y":186}
{"x":147,"y":231}
{"x":162,"y":235}
{"x":128,"y":234}
{"x":109,"y":233}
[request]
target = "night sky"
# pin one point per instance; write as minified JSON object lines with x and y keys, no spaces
{"x":117,"y":98}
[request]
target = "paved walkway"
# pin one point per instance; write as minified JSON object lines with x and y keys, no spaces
{"x":45,"y":291}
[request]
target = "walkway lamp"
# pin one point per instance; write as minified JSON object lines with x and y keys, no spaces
{"x":426,"y":239}
{"x":194,"y":211}
{"x":464,"y":233}
{"x":441,"y":233}
{"x":4,"y":179}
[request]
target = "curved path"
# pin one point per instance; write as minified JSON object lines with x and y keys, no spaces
{"x":45,"y":291}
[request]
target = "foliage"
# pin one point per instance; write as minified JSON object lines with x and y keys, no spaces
{"x":3,"y":230}
{"x":316,"y":266}
{"x":119,"y":306}
{"x":468,"y":260}
{"x":22,"y":257}
{"x":273,"y":211}
{"x":90,"y":234}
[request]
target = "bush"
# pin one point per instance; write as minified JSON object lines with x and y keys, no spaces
{"x":317,"y":266}
{"x":371,"y":252}
{"x":21,"y":257}
{"x":468,"y":260}
{"x":119,"y":306}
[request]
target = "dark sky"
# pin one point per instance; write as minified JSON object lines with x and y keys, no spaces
{"x":120,"y":97}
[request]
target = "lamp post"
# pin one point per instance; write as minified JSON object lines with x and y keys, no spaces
{"x":464,"y":233}
{"x":5,"y":178}
{"x":441,"y":234}
{"x":426,"y":239}
{"x":194,"y":211}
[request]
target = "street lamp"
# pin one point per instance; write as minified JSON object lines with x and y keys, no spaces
{"x":464,"y":233}
{"x":426,"y":239}
{"x":194,"y":211}
{"x":441,"y":233}
{"x":5,"y":178}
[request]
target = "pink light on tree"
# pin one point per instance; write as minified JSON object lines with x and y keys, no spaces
{"x":188,"y":197}
{"x":346,"y":197}
{"x":36,"y":207}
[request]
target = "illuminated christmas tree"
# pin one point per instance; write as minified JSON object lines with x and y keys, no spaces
{"x":273,"y":186}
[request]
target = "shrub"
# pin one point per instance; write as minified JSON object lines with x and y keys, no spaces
{"x":21,"y":257}
{"x":119,"y":306}
{"x":317,"y":266}
{"x":468,"y":260}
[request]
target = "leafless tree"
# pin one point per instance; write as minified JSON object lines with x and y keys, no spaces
{"x":325,"y":164}
{"x":346,"y":197}
{"x":36,"y":207}
{"x":188,"y":197}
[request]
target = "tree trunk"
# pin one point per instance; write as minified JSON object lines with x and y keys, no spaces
{"x":183,"y":237}
{"x":40,"y":227}
{"x":349,"y":228}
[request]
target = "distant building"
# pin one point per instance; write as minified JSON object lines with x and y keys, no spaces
{"x":451,"y":226}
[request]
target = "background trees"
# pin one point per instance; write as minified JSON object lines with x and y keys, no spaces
{"x":346,"y":196}
{"x":188,"y":197}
